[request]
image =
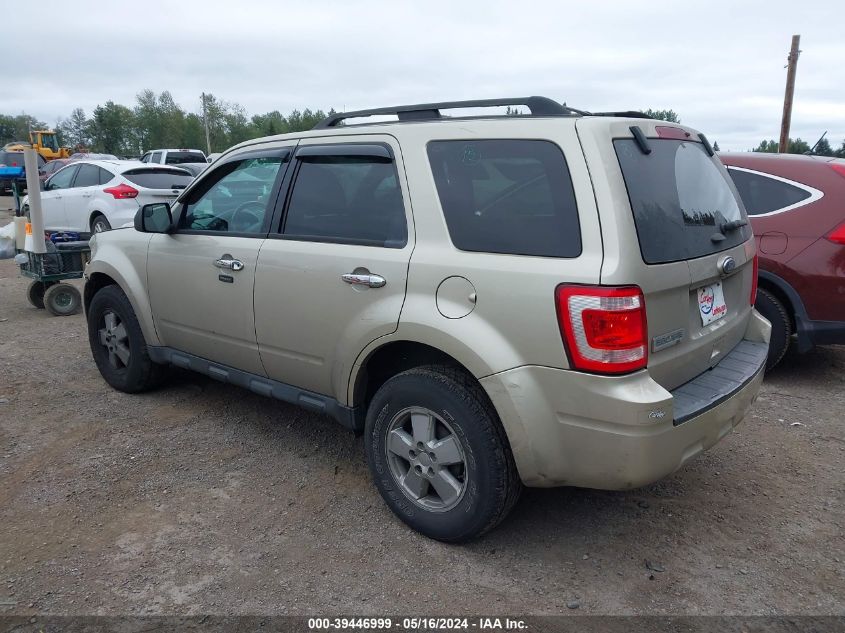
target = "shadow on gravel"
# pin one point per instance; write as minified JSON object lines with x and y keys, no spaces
{"x":821,"y":363}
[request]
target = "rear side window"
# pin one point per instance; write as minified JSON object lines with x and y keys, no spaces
{"x":88,"y":176}
{"x":762,"y":194}
{"x":177,"y":158}
{"x":153,"y":178}
{"x":507,"y":196}
{"x":680,"y":199}
{"x":347,"y":199}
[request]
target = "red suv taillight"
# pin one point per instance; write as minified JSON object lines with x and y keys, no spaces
{"x":755,"y":267}
{"x":122,"y":191}
{"x":604,"y":329}
{"x":837,"y":235}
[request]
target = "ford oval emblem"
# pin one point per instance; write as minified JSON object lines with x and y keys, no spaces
{"x":727,"y":265}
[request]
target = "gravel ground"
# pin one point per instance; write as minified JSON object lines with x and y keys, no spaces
{"x":202,"y":498}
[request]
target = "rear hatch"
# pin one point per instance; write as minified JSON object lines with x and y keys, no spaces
{"x":158,"y":184}
{"x":673,"y":225}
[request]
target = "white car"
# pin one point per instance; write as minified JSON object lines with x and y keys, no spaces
{"x":90,"y":196}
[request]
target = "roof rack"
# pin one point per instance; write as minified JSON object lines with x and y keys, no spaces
{"x":539,"y":106}
{"x":626,"y":114}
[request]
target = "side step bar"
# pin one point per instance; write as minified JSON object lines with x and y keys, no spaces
{"x":347,"y":416}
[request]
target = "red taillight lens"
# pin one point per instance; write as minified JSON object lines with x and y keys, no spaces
{"x":837,"y":235}
{"x":839,"y":168}
{"x":604,"y":329}
{"x":755,"y":267}
{"x":122,"y":191}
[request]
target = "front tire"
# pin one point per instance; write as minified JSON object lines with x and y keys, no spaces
{"x":439,"y":455}
{"x":118,"y":345}
{"x":770,"y":307}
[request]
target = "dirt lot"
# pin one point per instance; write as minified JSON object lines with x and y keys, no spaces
{"x":201,"y":498}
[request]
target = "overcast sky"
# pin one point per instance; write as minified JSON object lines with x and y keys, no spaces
{"x":720,"y":65}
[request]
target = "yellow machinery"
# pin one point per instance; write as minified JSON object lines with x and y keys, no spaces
{"x":45,"y":143}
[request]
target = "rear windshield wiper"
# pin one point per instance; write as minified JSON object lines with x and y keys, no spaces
{"x":733,"y":225}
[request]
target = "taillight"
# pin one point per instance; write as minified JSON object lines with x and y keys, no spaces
{"x":122,"y":191}
{"x":604,"y":329}
{"x":839,"y":168}
{"x":837,"y":235}
{"x":755,"y":267}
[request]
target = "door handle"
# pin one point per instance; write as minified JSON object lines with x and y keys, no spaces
{"x":229,"y":263}
{"x":365,"y":279}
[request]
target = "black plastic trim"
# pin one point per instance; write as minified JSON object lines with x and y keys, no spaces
{"x":365,"y":150}
{"x":346,"y":416}
{"x":805,"y":339}
{"x":711,"y":388}
{"x":639,"y":137}
{"x":707,"y":145}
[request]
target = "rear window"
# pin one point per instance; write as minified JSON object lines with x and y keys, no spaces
{"x":177,"y":158}
{"x":680,"y":199}
{"x":507,"y":196}
{"x":157,"y":178}
{"x":11,"y":159}
{"x":762,"y":194}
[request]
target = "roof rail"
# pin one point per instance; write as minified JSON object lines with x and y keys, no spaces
{"x":626,"y":114}
{"x":539,"y":106}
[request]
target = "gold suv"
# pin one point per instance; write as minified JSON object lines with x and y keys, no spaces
{"x":553,"y":298}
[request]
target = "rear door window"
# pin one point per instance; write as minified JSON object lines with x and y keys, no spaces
{"x":680,"y":199}
{"x":507,"y":196}
{"x":156,"y":157}
{"x":762,"y":194}
{"x":159,"y":178}
{"x":347,"y":199}
{"x":88,"y":176}
{"x":105,"y":176}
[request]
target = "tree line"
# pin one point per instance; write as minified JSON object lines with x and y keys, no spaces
{"x":156,"y":120}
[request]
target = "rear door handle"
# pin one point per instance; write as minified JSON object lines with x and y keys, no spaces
{"x":365,"y":279}
{"x":229,"y":263}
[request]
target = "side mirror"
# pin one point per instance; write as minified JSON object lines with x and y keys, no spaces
{"x":43,"y":185}
{"x":154,"y":218}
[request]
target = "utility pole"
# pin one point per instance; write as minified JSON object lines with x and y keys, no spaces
{"x":792,"y":68}
{"x":205,"y":122}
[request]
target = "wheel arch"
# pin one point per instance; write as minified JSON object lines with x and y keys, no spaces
{"x":791,"y":300}
{"x":92,"y":216}
{"x":389,"y":359}
{"x":99,"y":274}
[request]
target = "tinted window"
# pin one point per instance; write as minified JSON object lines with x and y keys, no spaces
{"x":235,"y":198}
{"x":11,"y":159}
{"x":105,"y":176}
{"x":762,"y":194}
{"x":88,"y":176}
{"x":177,"y":158}
{"x":349,"y":199}
{"x":507,"y":196}
{"x":156,"y":157}
{"x":62,"y":178}
{"x":158,"y":178}
{"x":680,"y":199}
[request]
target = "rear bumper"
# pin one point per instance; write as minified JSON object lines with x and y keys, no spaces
{"x":575,"y":429}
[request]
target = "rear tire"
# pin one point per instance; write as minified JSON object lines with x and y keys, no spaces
{"x":118,"y":345}
{"x":62,"y":300}
{"x":100,"y":224}
{"x":770,"y":307}
{"x":35,"y":293}
{"x":471,"y":482}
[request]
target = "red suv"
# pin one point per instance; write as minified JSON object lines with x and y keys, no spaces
{"x":796,"y":205}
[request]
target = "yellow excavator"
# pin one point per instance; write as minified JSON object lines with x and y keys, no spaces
{"x":45,"y":143}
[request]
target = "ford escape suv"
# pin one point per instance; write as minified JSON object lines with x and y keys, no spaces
{"x":556,"y":298}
